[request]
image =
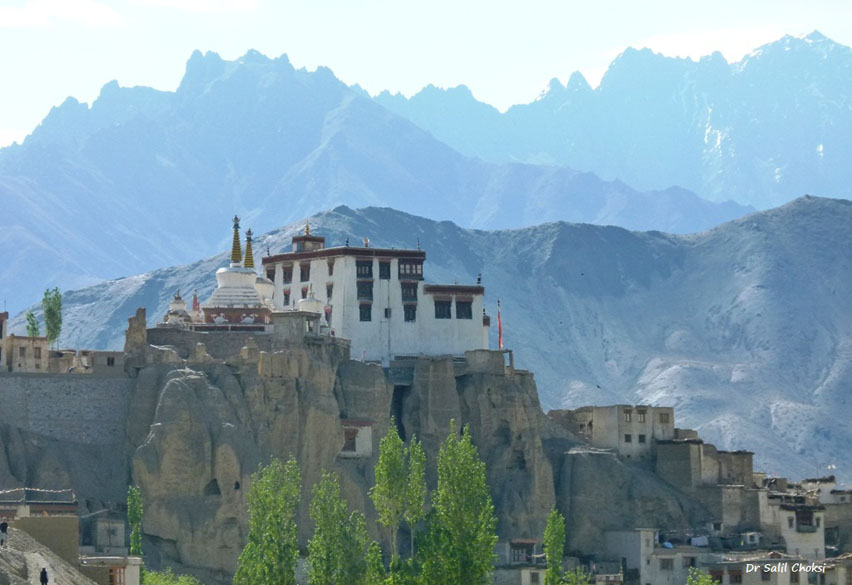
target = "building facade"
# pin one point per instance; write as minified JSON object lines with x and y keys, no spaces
{"x":377,"y":298}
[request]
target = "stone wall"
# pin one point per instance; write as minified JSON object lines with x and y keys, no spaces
{"x":58,"y":533}
{"x":75,"y":408}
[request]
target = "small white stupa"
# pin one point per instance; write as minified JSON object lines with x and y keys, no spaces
{"x":236,"y":299}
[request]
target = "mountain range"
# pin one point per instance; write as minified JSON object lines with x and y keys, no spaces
{"x":142,"y":178}
{"x":761,"y":131}
{"x":745,"y":329}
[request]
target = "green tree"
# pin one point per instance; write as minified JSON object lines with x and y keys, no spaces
{"x":51,"y":307}
{"x":374,"y":573}
{"x":389,"y":493}
{"x":134,"y":519}
{"x":337,"y":549}
{"x":697,"y":577}
{"x":578,"y":576}
{"x":459,"y":546}
{"x":415,"y":489}
{"x":272,"y":551}
{"x":167,"y":577}
{"x":554,"y":547}
{"x":32,"y":325}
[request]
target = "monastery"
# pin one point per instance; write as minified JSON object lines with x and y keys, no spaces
{"x":376,"y":298}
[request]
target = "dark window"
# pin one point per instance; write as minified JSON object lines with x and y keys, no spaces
{"x":350,"y":436}
{"x":666,"y":564}
{"x":411,"y":270}
{"x":384,"y":270}
{"x":328,"y":290}
{"x":464,"y":310}
{"x":641,"y":438}
{"x":110,"y":361}
{"x":286,"y":297}
{"x":628,"y":439}
{"x":627,"y":416}
{"x":270,"y":274}
{"x":22,"y":351}
{"x":364,"y":268}
{"x":37,"y":353}
{"x":688,"y":561}
{"x":304,"y":292}
{"x":443,"y":309}
{"x":641,"y":416}
{"x":288,"y":274}
{"x":765,"y":576}
{"x":789,"y":521}
{"x":534,"y":578}
{"x":331,"y":267}
{"x":365,"y":290}
{"x":736,"y":578}
{"x":366,"y":312}
{"x":410,"y":312}
{"x":717,"y":526}
{"x":664,"y":418}
{"x":305,"y":272}
{"x":409,"y":291}
{"x":794,"y":577}
{"x":387,"y":313}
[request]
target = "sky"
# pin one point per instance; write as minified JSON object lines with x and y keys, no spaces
{"x":505,"y":52}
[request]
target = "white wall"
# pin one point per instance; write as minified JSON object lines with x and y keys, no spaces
{"x":382,"y":337}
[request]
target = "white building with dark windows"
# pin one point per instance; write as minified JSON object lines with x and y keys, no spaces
{"x":377,"y":298}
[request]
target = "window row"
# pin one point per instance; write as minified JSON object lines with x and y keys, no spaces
{"x":409,"y":312}
{"x":629,"y":438}
{"x":640,"y":416}
{"x":443,"y":310}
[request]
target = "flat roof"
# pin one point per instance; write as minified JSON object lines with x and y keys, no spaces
{"x":344,"y":251}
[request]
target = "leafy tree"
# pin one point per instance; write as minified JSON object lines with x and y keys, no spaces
{"x":167,"y":577}
{"x":32,"y":325}
{"x":272,"y":551}
{"x":389,"y":493}
{"x":578,"y":576}
{"x":374,"y":573}
{"x":415,"y":489}
{"x":51,"y":307}
{"x":336,"y":551}
{"x":554,"y":547}
{"x":459,"y":546}
{"x":697,"y":577}
{"x":134,"y":519}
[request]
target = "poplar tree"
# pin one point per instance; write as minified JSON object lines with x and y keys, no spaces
{"x":272,"y":551}
{"x":51,"y":307}
{"x":337,"y":549}
{"x":134,"y":519}
{"x":375,"y":569}
{"x":459,"y":546}
{"x":554,"y":547}
{"x":415,"y":489}
{"x":389,"y":493}
{"x":32,"y":325}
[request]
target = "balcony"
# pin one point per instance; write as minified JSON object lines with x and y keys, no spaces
{"x":805,"y":528}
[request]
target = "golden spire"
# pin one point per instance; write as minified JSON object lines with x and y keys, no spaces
{"x":249,"y":261}
{"x":236,"y":251}
{"x":307,"y":228}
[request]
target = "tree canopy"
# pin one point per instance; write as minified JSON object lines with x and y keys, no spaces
{"x":272,"y":551}
{"x":51,"y":306}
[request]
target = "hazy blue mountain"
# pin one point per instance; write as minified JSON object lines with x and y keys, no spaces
{"x":146,"y":178}
{"x":762,"y":131}
{"x":745,"y":328}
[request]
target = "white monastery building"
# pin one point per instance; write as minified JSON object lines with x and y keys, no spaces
{"x":377,"y":298}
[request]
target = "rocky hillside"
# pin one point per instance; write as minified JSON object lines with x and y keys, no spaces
{"x":761,"y":131}
{"x":745,"y":328}
{"x":139,"y":179}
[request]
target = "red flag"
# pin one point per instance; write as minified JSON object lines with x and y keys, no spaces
{"x":499,"y":327}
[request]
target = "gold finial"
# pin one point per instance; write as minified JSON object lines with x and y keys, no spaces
{"x":307,"y":228}
{"x":249,"y":260}
{"x":236,"y":251}
{"x":366,"y":242}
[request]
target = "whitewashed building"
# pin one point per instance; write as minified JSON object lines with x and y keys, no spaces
{"x":377,"y":298}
